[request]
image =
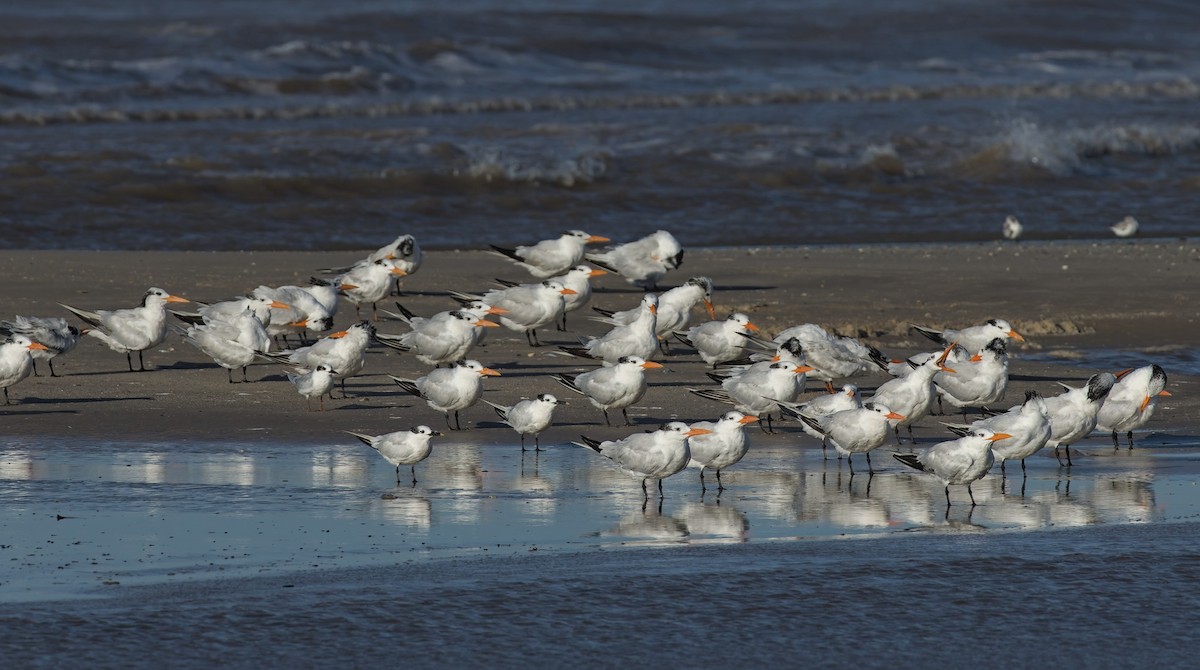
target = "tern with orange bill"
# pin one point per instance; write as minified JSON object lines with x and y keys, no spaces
{"x":722,"y":446}
{"x":1074,"y":414}
{"x":527,"y":307}
{"x":972,"y":338}
{"x":16,"y":360}
{"x":654,"y":455}
{"x":450,"y":389}
{"x":832,"y":357}
{"x":444,"y":337}
{"x":612,"y":387}
{"x":343,"y":351}
{"x":1028,"y":427}
{"x":856,"y":431}
{"x":913,"y":395}
{"x":674,"y":309}
{"x":824,"y":405}
{"x":551,"y":257}
{"x":977,"y":381}
{"x":642,"y":262}
{"x":720,"y":341}
{"x":1132,"y":401}
{"x":758,"y":391}
{"x":579,"y":280}
{"x":129,"y":330}
{"x":232,"y":342}
{"x":635,"y":339}
{"x":368,"y":283}
{"x":962,"y":461}
{"x":54,"y":333}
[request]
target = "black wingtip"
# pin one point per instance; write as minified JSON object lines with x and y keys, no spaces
{"x":511,"y":253}
{"x":935,"y":335}
{"x":407,"y":386}
{"x":592,"y":444}
{"x":603,"y":266}
{"x":911,"y":460}
{"x":604,"y":312}
{"x":405,"y":311}
{"x":567,"y":381}
{"x":578,"y":351}
{"x":811,"y":423}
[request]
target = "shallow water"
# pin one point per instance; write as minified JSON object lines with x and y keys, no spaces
{"x":87,"y":519}
{"x":310,"y":125}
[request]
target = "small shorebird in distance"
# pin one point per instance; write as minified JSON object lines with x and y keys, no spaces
{"x":1012,"y":228}
{"x":1126,"y":227}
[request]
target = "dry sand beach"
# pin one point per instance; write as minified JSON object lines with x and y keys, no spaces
{"x":171,"y":515}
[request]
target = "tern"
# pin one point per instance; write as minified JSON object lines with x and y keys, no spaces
{"x":404,"y":447}
{"x":962,"y":461}
{"x":972,"y":338}
{"x":722,"y":446}
{"x":824,"y":405}
{"x":655,"y":455}
{"x":449,"y":389}
{"x":634,"y":339}
{"x":344,"y":351}
{"x":832,"y":357}
{"x":529,"y":417}
{"x":1027,"y":425}
{"x":856,"y":431}
{"x":129,"y":330}
{"x":614,"y":386}
{"x":16,"y":361}
{"x":977,"y":381}
{"x":913,"y":394}
{"x":642,"y":262}
{"x":54,"y":333}
{"x":758,"y":392}
{"x":1132,"y":401}
{"x":551,"y":257}
{"x":444,"y":337}
{"x":369,"y":282}
{"x":578,"y":279}
{"x":527,"y":307}
{"x":720,"y":341}
{"x":231,"y":343}
{"x":1074,"y":414}
{"x":674,"y":308}
{"x":314,"y":383}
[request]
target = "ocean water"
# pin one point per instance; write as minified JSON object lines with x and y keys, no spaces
{"x":272,"y":124}
{"x":143,"y":554}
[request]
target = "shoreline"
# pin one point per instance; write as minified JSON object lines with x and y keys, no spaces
{"x":1134,"y":295}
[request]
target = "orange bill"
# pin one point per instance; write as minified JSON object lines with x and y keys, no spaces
{"x":496,"y":310}
{"x":569,"y":291}
{"x":801,"y":369}
{"x":338,"y":335}
{"x":712,"y":313}
{"x":696,"y":431}
{"x":596,"y":239}
{"x":999,"y":436}
{"x":651,"y":364}
{"x":347,"y":287}
{"x":175,"y":298}
{"x":275,"y":304}
{"x":895,"y":415}
{"x":1016,"y":336}
{"x":302,"y":323}
{"x":486,"y":324}
{"x":398,"y":272}
{"x":751,"y":327}
{"x":747,"y":419}
{"x":597,"y":273}
{"x":488,"y":372}
{"x":39,"y":346}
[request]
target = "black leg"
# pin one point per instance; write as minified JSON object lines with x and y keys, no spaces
{"x":850,"y":462}
{"x":897,"y":431}
{"x":414,"y":475}
{"x":1129,"y":434}
{"x":607,"y":422}
{"x":448,"y":426}
{"x":52,"y":372}
{"x":6,"y":395}
{"x":911,"y":439}
{"x":645,"y":495}
{"x":702,"y":488}
{"x":244,"y":377}
{"x":971,"y":494}
{"x":457,"y":421}
{"x":397,"y":473}
{"x":536,"y":444}
{"x":941,"y":412}
{"x":1022,"y":466}
{"x":141,"y":361}
{"x":522,"y":442}
{"x":230,"y":371}
{"x":720,"y":486}
{"x":870,"y":469}
{"x":625,"y":414}
{"x":1068,"y":448}
{"x":1002,"y":473}
{"x":35,"y":372}
{"x":129,"y":360}
{"x":1116,"y":442}
{"x":947,"y":499}
{"x":660,"y":491}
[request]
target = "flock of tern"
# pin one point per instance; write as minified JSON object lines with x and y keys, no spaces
{"x":762,"y":379}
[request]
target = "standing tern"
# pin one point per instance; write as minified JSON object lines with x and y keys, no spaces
{"x":977,"y":381}
{"x":529,"y":417}
{"x":972,"y":338}
{"x":824,"y":405}
{"x":855,"y":431}
{"x":314,"y":383}
{"x":1132,"y":401}
{"x":231,"y":343}
{"x":309,"y":309}
{"x":913,"y":394}
{"x":722,"y":446}
{"x":832,"y":357}
{"x":642,"y":262}
{"x":1074,"y":414}
{"x":129,"y":330}
{"x":449,"y":389}
{"x":404,"y":447}
{"x":444,"y":337}
{"x":551,"y":257}
{"x":962,"y":461}
{"x":579,"y":280}
{"x":16,"y":361}
{"x":1028,"y":427}
{"x":635,"y":339}
{"x":54,"y":333}
{"x":614,"y":386}
{"x":655,"y":455}
{"x":368,"y":282}
{"x":674,"y":308}
{"x":758,"y":392}
{"x":228,"y":310}
{"x":527,"y":307}
{"x":720,"y":341}
{"x":344,"y":351}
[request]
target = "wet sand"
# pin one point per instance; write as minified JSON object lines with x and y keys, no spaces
{"x":1067,"y":298}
